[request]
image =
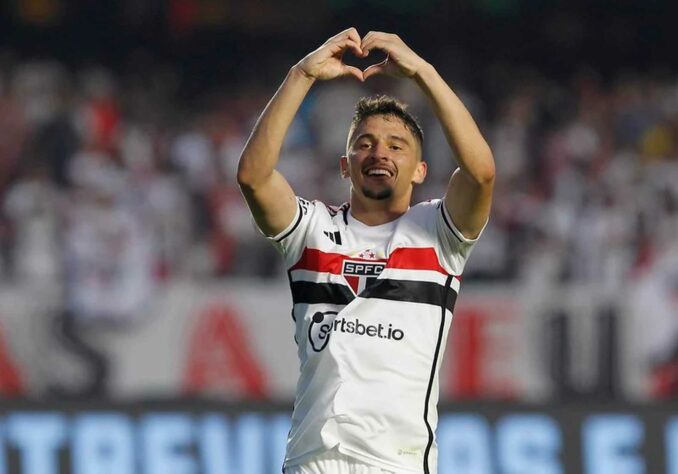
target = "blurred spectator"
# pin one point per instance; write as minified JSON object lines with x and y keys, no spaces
{"x":570,"y":161}
{"x":107,"y":245}
{"x":112,"y":185}
{"x":33,"y":205}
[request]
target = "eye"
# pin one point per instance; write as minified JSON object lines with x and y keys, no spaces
{"x":364,"y":145}
{"x":396,"y":147}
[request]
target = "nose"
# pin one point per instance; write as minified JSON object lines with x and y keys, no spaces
{"x":380,"y":151}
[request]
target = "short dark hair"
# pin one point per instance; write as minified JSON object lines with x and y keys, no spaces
{"x":385,"y":105}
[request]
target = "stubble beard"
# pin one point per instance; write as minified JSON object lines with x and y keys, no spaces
{"x":378,"y":195}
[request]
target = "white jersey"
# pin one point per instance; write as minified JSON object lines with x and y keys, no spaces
{"x":372,"y":308}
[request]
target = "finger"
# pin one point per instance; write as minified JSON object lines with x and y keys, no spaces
{"x":355,"y":47}
{"x":353,"y":71}
{"x":347,"y":33}
{"x":376,"y":41}
{"x":365,"y":41}
{"x":352,"y":45}
{"x":373,"y":33}
{"x":343,"y":45}
{"x":375,"y":69}
{"x":383,"y":38}
{"x":354,"y":35}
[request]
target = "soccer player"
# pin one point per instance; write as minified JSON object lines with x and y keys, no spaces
{"x":375,"y":280}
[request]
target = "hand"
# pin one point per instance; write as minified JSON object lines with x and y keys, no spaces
{"x":400,"y":60}
{"x":326,"y":62}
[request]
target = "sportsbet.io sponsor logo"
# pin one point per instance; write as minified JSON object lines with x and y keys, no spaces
{"x":324,"y":324}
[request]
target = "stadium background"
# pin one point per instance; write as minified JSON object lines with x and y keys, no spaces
{"x":144,"y":324}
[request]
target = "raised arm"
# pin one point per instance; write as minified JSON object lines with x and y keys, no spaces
{"x":268,"y":194}
{"x":469,"y":192}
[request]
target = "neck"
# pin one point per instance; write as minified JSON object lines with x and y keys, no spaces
{"x":373,"y":212}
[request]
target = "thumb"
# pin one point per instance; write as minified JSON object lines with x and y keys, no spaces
{"x":353,"y":71}
{"x":374,"y":69}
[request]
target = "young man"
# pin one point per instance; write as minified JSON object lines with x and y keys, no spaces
{"x":374,"y":281}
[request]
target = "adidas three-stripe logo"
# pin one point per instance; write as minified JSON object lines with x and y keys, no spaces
{"x":333,"y":236}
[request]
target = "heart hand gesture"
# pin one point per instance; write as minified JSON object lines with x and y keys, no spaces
{"x":326,"y":62}
{"x":400,"y":60}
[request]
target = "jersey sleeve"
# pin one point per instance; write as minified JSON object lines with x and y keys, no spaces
{"x":290,"y":242}
{"x":454,"y":248}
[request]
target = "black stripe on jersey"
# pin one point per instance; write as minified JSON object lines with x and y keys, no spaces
{"x":412,"y":291}
{"x":344,"y":211}
{"x":447,"y":290}
{"x":442,"y":210}
{"x":296,"y":224}
{"x":294,"y":318}
{"x":313,"y":293}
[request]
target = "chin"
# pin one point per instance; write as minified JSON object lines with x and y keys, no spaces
{"x":378,"y":194}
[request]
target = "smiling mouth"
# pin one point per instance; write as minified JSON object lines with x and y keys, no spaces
{"x":379,"y":173}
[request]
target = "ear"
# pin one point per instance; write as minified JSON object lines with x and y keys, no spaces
{"x":343,"y":167}
{"x":420,"y":172}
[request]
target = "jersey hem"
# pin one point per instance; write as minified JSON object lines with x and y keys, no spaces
{"x":375,"y":461}
{"x":298,"y":460}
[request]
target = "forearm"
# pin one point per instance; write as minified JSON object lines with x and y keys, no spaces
{"x":262,"y":151}
{"x":472,"y":151}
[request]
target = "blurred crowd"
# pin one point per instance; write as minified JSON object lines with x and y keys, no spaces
{"x":113,"y":183}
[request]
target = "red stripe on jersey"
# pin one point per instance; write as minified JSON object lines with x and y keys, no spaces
{"x":403,"y":258}
{"x":416,"y":259}
{"x":318,"y":261}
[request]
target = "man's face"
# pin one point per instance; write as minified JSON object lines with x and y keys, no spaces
{"x":384,"y":158}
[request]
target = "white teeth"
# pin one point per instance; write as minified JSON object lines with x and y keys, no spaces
{"x":378,"y":172}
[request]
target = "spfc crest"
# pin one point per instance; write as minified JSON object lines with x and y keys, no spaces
{"x":360,"y":274}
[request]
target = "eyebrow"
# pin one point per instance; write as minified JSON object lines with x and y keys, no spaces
{"x":390,"y":137}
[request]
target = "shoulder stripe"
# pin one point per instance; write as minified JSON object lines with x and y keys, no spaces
{"x":412,"y":291}
{"x":296,"y":224}
{"x":454,"y":232}
{"x":317,"y":293}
